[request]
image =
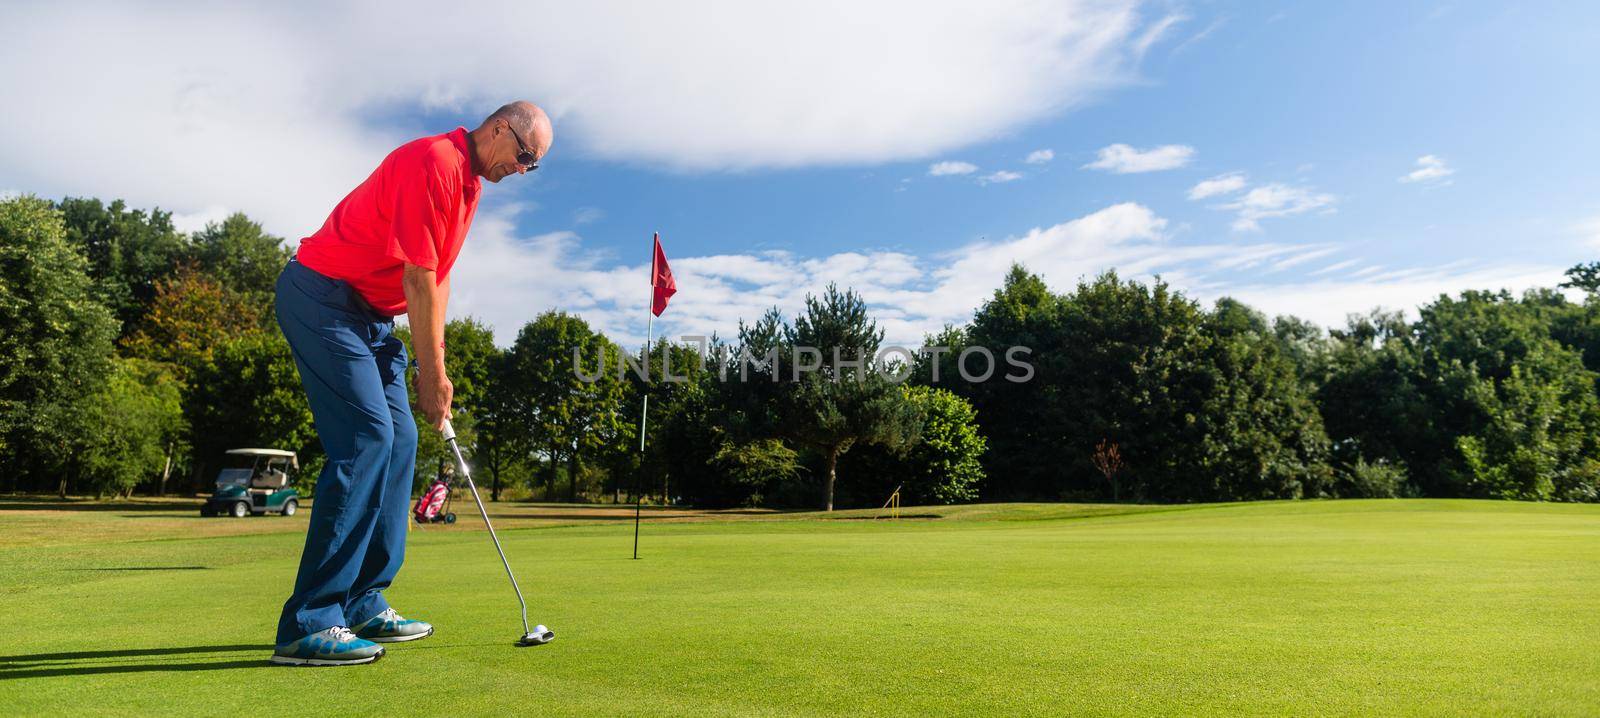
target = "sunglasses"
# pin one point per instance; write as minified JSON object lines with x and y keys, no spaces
{"x":526,"y":158}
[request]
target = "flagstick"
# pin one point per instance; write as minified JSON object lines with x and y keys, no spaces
{"x":644,"y":412}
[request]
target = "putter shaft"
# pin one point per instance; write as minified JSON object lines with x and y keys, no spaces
{"x":450,"y":438}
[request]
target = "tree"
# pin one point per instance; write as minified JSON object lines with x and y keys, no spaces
{"x":138,"y":416}
{"x":1584,"y":276}
{"x":1026,"y":453}
{"x":1108,"y":461}
{"x":553,"y":410}
{"x":192,"y":317}
{"x":129,"y":252}
{"x":1480,"y":357}
{"x":1540,"y":430}
{"x":55,"y":337}
{"x":1202,"y":405}
{"x":1475,"y":398}
{"x":715,"y":440}
{"x":1379,"y":479}
{"x":677,"y":377}
{"x":753,"y":465}
{"x":1261,"y":435}
{"x":1306,"y":345}
{"x":1576,"y":326}
{"x":1128,"y":361}
{"x":844,"y":402}
{"x":945,"y":464}
{"x":240,"y":255}
{"x":193,"y":314}
{"x":497,"y":445}
{"x":1371,"y":394}
{"x":1112,"y":359}
{"x":249,"y":394}
{"x":939,"y":351}
{"x":750,"y":387}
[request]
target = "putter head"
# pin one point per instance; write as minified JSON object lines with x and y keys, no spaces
{"x":538,"y":637}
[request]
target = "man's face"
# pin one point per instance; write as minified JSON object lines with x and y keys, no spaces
{"x":507,"y":145}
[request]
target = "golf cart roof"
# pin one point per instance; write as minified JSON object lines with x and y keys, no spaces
{"x":262,"y":452}
{"x":274,"y":453}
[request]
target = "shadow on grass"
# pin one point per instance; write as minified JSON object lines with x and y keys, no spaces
{"x":884,"y":517}
{"x":88,"y":505}
{"x":28,"y":665}
{"x":577,"y":513}
{"x":186,"y":515}
{"x":676,"y":509}
{"x":53,"y":671}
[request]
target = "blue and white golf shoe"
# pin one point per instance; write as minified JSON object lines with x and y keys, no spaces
{"x":389,"y":627}
{"x":335,"y":646}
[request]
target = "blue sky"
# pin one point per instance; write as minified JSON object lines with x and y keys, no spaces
{"x":1363,"y":154}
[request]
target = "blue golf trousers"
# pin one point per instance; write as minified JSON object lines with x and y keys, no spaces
{"x":353,"y":370}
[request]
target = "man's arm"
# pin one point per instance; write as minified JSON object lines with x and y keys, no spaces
{"x":425,"y":304}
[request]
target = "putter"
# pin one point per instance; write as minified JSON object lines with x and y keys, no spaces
{"x":538,"y":635}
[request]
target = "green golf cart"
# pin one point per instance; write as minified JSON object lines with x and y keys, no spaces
{"x":255,"y":482}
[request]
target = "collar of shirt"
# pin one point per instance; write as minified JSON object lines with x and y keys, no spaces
{"x":472,"y":182}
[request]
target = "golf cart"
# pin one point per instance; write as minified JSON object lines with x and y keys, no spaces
{"x":256,"y":482}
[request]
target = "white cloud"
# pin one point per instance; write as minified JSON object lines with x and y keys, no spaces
{"x":1197,"y":37}
{"x":1589,"y":230}
{"x":1155,"y":33}
{"x":1302,"y":258}
{"x":1000,"y":176}
{"x":1275,"y":200}
{"x":1336,"y":266}
{"x":1039,"y":157}
{"x":507,"y":279}
{"x":1122,"y":159}
{"x":587,"y":215}
{"x":1220,"y":184}
{"x":191,"y":222}
{"x":950,"y":167}
{"x":1329,"y":301}
{"x":279,"y":109}
{"x":1430,"y":168}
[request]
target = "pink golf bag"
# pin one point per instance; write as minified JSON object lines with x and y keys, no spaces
{"x":434,"y":505}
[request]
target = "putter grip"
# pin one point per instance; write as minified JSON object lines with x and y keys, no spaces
{"x":448,"y":432}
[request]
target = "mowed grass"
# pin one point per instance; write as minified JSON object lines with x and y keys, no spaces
{"x":1313,"y":608}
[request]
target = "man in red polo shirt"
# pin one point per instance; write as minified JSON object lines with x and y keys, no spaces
{"x":386,"y":250}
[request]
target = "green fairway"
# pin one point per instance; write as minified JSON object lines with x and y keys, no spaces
{"x":1347,"y":607}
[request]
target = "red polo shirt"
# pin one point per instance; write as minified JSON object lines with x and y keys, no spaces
{"x":414,"y":209}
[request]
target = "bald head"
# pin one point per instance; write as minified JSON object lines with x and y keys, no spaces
{"x":523,"y":116}
{"x":514,"y":128}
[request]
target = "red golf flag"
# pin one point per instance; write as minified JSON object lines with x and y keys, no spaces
{"x":661,"y":279}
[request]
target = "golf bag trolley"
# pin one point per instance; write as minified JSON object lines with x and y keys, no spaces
{"x":433,"y":506}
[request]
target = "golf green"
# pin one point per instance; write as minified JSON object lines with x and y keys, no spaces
{"x":1312,"y":608}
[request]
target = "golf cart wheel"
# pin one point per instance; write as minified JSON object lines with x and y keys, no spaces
{"x":207,"y":511}
{"x":290,"y":506}
{"x":240,"y":510}
{"x":450,"y":518}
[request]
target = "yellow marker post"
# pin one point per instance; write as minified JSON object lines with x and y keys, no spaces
{"x":893,"y":504}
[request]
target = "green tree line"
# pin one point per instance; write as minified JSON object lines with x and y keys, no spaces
{"x":136,"y":355}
